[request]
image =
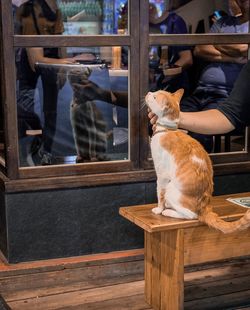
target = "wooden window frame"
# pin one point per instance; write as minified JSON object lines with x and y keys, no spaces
{"x":11,"y":41}
{"x":138,"y":167}
{"x":227,"y":163}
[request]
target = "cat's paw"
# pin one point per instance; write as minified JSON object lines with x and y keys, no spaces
{"x":172,"y":213}
{"x":166,"y":212}
{"x":157,"y":210}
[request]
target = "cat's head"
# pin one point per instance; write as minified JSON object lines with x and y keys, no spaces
{"x":78,"y":79}
{"x":78,"y":75}
{"x":165,"y":104}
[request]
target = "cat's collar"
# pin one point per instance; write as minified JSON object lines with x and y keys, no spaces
{"x":165,"y":127}
{"x":168,"y":125}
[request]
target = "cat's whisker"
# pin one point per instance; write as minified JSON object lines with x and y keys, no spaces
{"x":143,"y":106}
{"x":142,"y":100}
{"x":165,"y":88}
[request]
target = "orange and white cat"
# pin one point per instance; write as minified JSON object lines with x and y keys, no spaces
{"x":184,"y":170}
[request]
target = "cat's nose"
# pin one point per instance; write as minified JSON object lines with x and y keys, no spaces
{"x":148,"y":94}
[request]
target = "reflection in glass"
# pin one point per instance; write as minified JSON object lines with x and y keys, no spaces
{"x":72,"y":17}
{"x":207,"y":84}
{"x":169,"y":66}
{"x":73,"y":112}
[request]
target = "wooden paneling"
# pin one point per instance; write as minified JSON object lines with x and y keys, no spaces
{"x":203,"y":244}
{"x":34,"y":184}
{"x":92,"y":284}
{"x":76,"y":41}
{"x":9,"y":78}
{"x":198,"y":39}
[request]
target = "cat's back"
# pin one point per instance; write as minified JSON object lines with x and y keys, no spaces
{"x":182,"y":148}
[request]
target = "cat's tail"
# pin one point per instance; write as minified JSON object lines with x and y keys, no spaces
{"x":212,"y":219}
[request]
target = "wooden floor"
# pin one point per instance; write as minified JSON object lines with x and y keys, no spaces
{"x":115,"y":282}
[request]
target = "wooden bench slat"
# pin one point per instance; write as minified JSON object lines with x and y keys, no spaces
{"x":143,"y":217}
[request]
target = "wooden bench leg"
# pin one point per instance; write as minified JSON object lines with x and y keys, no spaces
{"x":164,"y":269}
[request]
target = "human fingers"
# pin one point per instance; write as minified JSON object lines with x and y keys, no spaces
{"x":152,"y":117}
{"x":153,"y":120}
{"x":67,"y":61}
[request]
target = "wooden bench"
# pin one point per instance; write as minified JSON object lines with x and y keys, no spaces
{"x":171,"y":244}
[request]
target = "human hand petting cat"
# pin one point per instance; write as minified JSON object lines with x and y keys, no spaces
{"x":152,"y":118}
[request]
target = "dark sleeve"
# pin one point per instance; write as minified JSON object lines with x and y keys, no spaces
{"x":180,"y":27}
{"x":237,"y":107}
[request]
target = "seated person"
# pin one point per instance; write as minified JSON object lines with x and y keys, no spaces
{"x":40,"y":17}
{"x":221,"y":69}
{"x":177,"y":57}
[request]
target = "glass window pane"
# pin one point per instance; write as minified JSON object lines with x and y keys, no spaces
{"x":71,"y":17}
{"x":180,"y":16}
{"x":206,"y":80}
{"x":75,"y":109}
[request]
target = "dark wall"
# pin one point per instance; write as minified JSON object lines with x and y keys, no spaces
{"x":62,"y":223}
{"x":1,"y":90}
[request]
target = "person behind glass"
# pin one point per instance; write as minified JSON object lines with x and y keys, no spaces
{"x":231,"y":114}
{"x":222,"y":65}
{"x":39,"y":17}
{"x":174,"y":60}
{"x":217,"y":14}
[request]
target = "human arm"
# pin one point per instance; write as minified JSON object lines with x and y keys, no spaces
{"x":208,"y":122}
{"x":36,"y":54}
{"x":179,"y":55}
{"x":205,"y":122}
{"x":224,"y":52}
{"x":91,"y":91}
{"x":211,"y":53}
{"x":185,"y":59}
{"x":233,"y":113}
{"x":233,"y":50}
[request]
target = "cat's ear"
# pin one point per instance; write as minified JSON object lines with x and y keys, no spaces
{"x":178,"y":94}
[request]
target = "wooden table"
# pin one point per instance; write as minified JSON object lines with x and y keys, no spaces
{"x":171,"y":244}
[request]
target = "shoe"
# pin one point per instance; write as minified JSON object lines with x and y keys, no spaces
{"x":102,"y":157}
{"x":46,"y":158}
{"x":36,"y":144}
{"x":40,"y":158}
{"x":82,"y":159}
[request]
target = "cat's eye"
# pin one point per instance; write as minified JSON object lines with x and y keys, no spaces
{"x":154,"y":97}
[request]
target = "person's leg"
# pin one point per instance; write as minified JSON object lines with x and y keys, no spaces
{"x":50,"y":96}
{"x":27,"y":118}
{"x":101,"y":134}
{"x":82,"y":125}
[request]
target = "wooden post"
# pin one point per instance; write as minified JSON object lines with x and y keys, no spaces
{"x":164,"y":269}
